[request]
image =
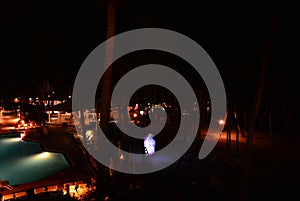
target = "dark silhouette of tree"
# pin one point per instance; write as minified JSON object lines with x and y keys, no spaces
{"x":265,"y":62}
{"x":105,"y":89}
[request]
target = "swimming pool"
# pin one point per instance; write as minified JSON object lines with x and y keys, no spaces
{"x":22,"y":161}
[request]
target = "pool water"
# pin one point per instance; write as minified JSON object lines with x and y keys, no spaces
{"x":22,"y":161}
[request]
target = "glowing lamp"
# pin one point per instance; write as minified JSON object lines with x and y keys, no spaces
{"x":221,"y":122}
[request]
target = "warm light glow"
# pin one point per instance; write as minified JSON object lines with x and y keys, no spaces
{"x":89,"y":135}
{"x":122,"y":157}
{"x":78,"y":190}
{"x":111,"y":167}
{"x":221,"y":122}
{"x":43,"y":155}
{"x":142,"y":112}
{"x":17,"y":139}
{"x":134,"y":115}
{"x":20,"y":194}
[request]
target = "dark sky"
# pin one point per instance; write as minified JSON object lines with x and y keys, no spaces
{"x":48,"y":40}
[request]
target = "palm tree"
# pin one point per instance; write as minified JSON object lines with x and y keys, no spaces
{"x":105,"y":91}
{"x":107,"y":78}
{"x":256,"y":102}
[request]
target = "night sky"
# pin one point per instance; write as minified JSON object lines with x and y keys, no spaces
{"x":49,"y":40}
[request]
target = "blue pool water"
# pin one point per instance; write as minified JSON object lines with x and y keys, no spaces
{"x":22,"y":162}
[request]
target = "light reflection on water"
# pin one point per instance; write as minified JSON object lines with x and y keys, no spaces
{"x":23,"y":162}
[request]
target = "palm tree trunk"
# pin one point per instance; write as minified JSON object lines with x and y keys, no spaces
{"x":101,"y":189}
{"x":107,"y":78}
{"x":261,"y":82}
{"x":254,"y":108}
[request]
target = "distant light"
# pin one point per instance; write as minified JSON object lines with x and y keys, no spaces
{"x":136,"y":107}
{"x":89,"y":134}
{"x":37,"y":98}
{"x":221,"y":122}
{"x":70,"y":96}
{"x":122,"y":157}
{"x":135,"y":115}
{"x":30,"y":99}
{"x":16,"y":100}
{"x":141,"y":112}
